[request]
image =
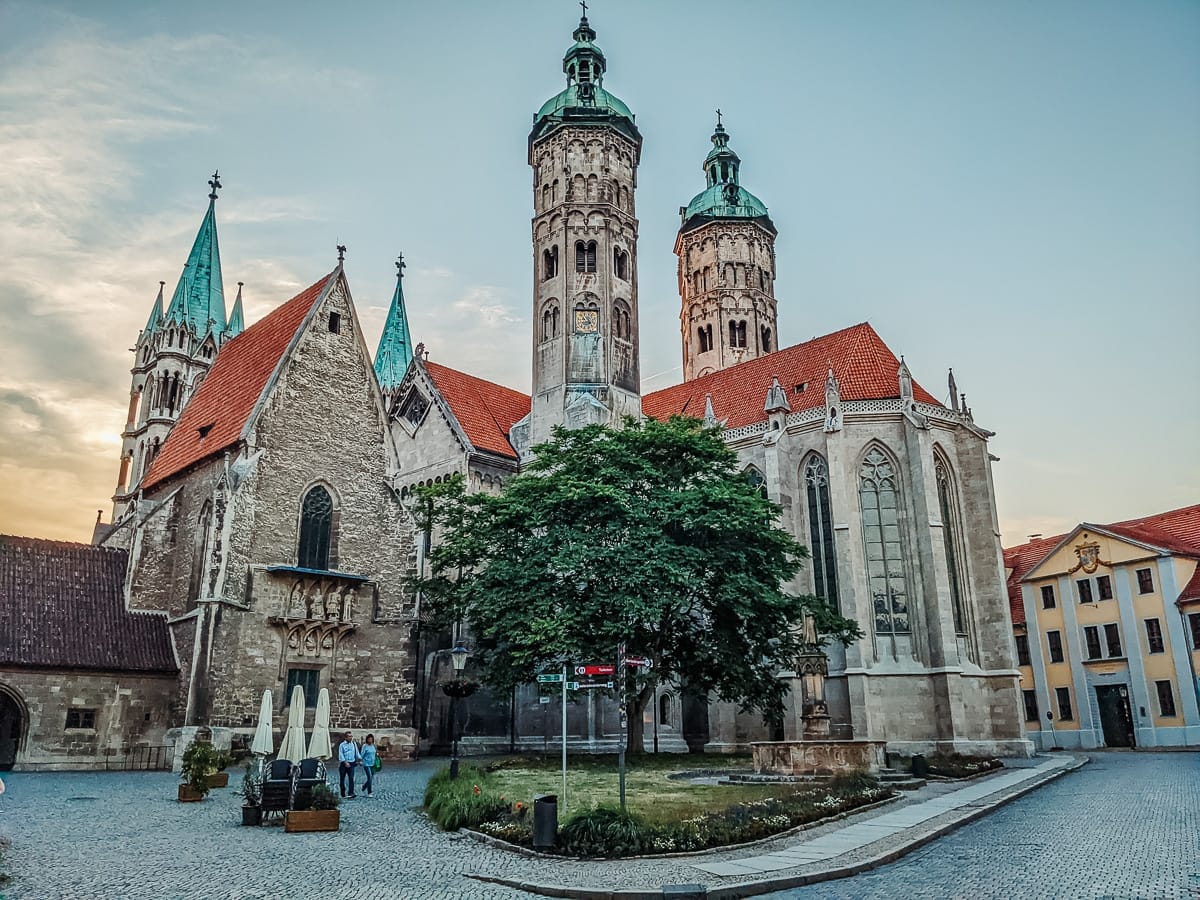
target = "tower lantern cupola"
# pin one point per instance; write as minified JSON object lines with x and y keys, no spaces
{"x":726,"y":250}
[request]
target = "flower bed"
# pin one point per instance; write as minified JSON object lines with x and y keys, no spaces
{"x":606,"y":831}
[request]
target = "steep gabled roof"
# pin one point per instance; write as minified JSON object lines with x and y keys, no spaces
{"x":62,"y":606}
{"x":486,"y":411}
{"x":1191,"y":590}
{"x":216,"y":417}
{"x":865,"y":368}
{"x":1175,"y":531}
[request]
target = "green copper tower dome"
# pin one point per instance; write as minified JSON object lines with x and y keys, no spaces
{"x":584,"y":100}
{"x":724,"y":197}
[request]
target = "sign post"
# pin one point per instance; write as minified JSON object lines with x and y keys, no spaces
{"x":564,"y":738}
{"x":623,"y":714}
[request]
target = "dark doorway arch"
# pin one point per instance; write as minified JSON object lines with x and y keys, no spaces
{"x":12,"y":728}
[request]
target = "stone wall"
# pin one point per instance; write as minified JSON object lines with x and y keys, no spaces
{"x":132,"y":710}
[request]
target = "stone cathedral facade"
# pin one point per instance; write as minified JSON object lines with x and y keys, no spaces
{"x":262,"y":519}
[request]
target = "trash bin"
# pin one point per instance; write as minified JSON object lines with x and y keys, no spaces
{"x":920,"y":766}
{"x":545,"y":820}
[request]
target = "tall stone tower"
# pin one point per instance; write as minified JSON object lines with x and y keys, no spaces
{"x":726,"y":250}
{"x":173,"y":353}
{"x":584,"y":149}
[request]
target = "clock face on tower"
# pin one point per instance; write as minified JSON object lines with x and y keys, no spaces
{"x":587,"y":321}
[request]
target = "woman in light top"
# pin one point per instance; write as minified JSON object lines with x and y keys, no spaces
{"x":369,"y":755}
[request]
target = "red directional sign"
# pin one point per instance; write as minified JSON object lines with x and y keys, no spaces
{"x":595,"y":670}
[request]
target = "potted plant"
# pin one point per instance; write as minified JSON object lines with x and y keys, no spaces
{"x":458,"y":687}
{"x":323,"y":815}
{"x":219,"y":778}
{"x":251,"y":798}
{"x":199,"y":762}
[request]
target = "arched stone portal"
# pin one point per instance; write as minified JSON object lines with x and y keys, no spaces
{"x":12,"y":728}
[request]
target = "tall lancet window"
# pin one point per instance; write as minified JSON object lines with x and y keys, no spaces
{"x":879,"y":497}
{"x":951,"y":536}
{"x":316,"y":529}
{"x":820,"y":530}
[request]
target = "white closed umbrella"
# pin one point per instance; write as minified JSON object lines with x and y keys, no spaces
{"x":292,"y":748}
{"x":264,"y":740}
{"x":318,"y":745}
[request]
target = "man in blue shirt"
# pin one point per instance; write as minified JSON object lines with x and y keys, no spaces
{"x":348,"y":758}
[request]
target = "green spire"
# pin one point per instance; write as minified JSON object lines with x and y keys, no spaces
{"x":724,"y":197}
{"x":236,"y":321}
{"x":199,"y":299}
{"x":156,"y":313}
{"x":395,"y":344}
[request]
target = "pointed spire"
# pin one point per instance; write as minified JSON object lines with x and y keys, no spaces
{"x":833,"y":403}
{"x":953,"y":391}
{"x":395,"y":344}
{"x":777,"y":400}
{"x":156,"y":313}
{"x":199,"y":298}
{"x":237,"y":320}
{"x":904,"y":376}
{"x":710,"y":415}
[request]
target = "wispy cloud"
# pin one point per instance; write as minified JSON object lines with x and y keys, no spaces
{"x":81,"y":114}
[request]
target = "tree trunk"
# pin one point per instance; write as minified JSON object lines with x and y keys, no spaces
{"x":635,"y":737}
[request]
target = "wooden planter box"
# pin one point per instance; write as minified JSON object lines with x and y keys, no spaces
{"x":218,"y":780}
{"x":187,"y":795}
{"x":301,"y":820}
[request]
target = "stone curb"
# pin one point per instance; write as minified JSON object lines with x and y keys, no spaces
{"x":784,"y":882}
{"x":501,"y":844}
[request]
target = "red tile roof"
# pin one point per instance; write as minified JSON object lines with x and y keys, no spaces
{"x":62,"y":606}
{"x":1191,"y":590}
{"x":230,"y":392}
{"x":864,"y":366}
{"x":1177,"y":530}
{"x":485,"y":410}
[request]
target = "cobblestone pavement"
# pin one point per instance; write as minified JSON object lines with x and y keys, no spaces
{"x":124,"y":836}
{"x":1125,"y":825}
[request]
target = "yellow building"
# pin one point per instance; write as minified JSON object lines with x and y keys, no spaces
{"x":1107,"y":630}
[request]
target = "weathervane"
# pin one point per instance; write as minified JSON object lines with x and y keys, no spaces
{"x":341,"y":249}
{"x":215,"y":184}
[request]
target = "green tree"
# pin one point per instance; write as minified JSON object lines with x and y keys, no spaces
{"x":647,"y":535}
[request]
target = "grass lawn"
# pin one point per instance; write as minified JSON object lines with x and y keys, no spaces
{"x":648,"y":790}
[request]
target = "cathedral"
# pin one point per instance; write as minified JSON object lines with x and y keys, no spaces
{"x":262,"y":513}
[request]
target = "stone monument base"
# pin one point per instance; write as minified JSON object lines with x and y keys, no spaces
{"x":817,"y":757}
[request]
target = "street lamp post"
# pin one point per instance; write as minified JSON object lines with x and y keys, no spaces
{"x":458,"y":656}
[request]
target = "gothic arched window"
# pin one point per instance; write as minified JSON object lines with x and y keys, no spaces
{"x":951,"y":536}
{"x":550,"y":263}
{"x":621,"y":264}
{"x":756,"y":479}
{"x":705,"y":334}
{"x":879,"y":499}
{"x":737,"y":334}
{"x":316,"y":529}
{"x":766,"y":339}
{"x":820,"y":530}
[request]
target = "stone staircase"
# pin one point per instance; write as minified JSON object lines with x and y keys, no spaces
{"x":899,"y":781}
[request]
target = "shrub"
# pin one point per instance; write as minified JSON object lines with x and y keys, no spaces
{"x":605,"y":831}
{"x":199,"y":761}
{"x":324,"y":798}
{"x":961,"y":765}
{"x":464,"y":802}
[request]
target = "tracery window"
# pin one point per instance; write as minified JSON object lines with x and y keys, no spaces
{"x":879,"y":501}
{"x":951,"y":536}
{"x":820,"y":530}
{"x":413,"y":407}
{"x":316,"y":529}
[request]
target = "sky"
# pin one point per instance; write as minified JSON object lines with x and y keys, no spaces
{"x":1009,"y":189}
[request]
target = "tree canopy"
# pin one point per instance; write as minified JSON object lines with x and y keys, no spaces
{"x":648,"y":535}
